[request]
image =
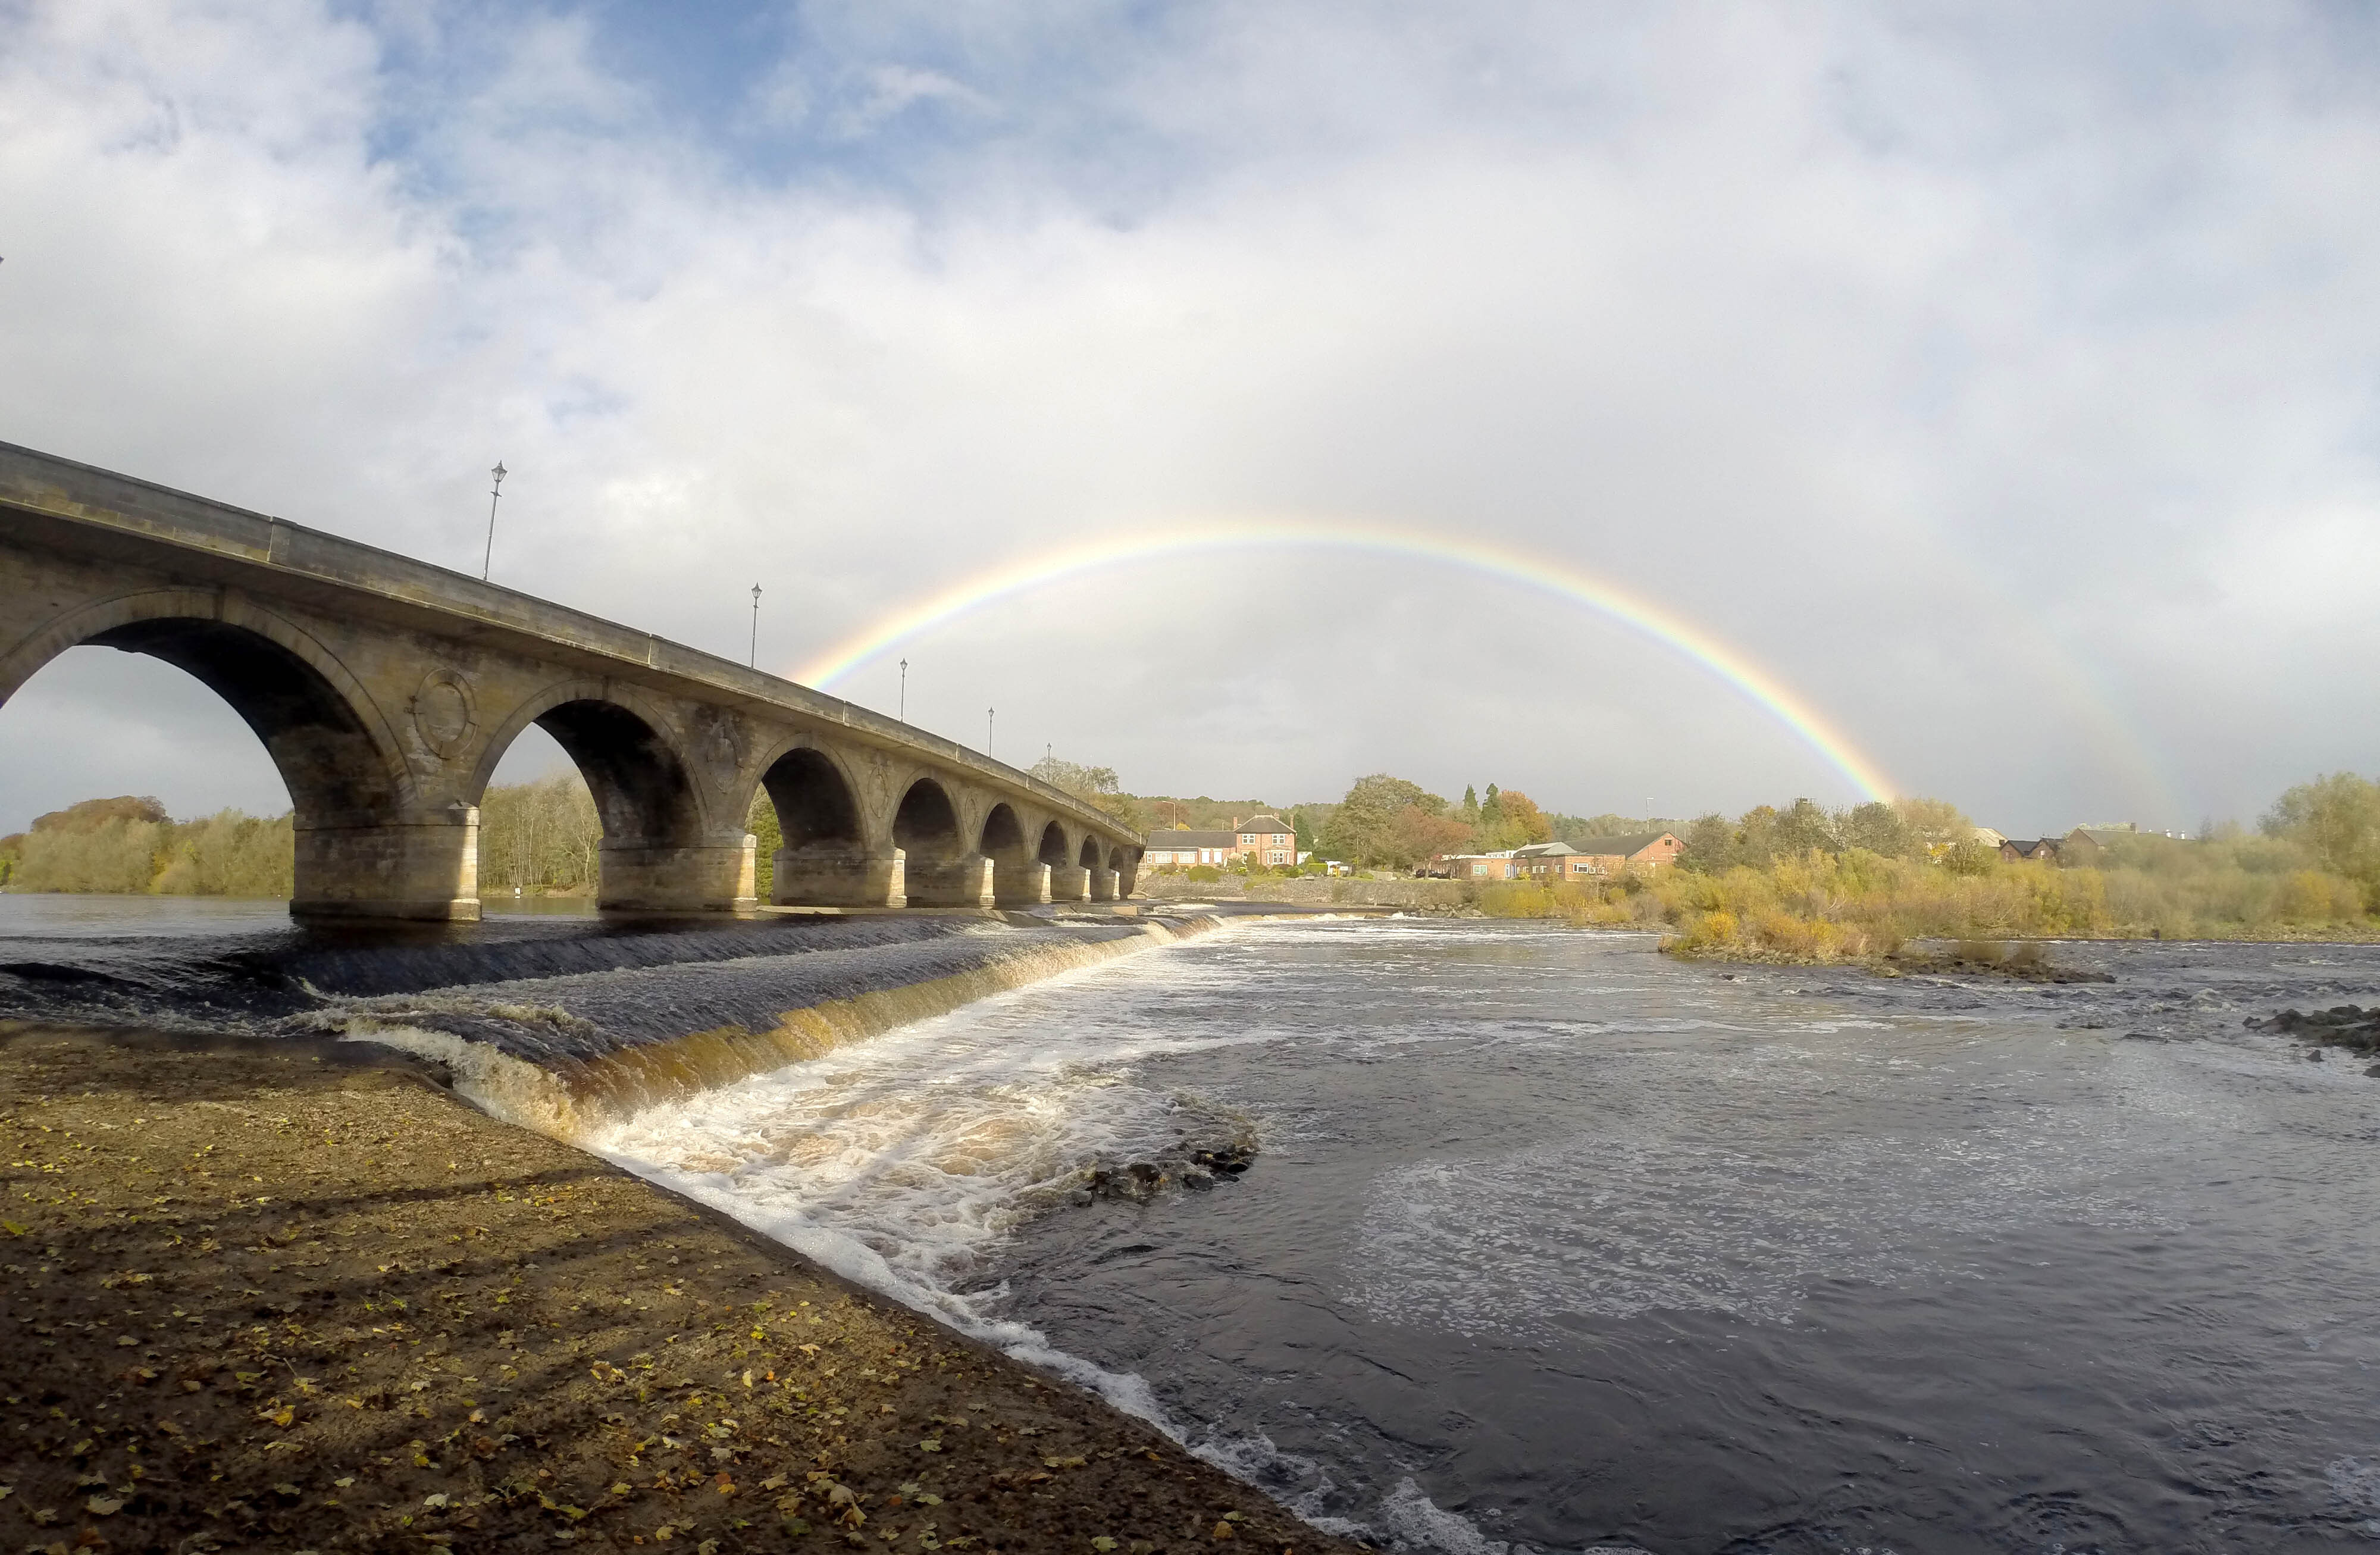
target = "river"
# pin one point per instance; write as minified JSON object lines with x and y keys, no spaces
{"x":1551,"y":1243}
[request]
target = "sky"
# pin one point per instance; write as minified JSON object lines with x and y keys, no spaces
{"x":1999,"y":381}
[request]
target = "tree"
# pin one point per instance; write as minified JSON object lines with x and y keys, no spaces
{"x":1363,"y":828}
{"x":1417,"y":834}
{"x":1096,"y":786}
{"x":1934,"y":825}
{"x":1710,"y":846}
{"x":1470,"y":804}
{"x":1805,"y":827}
{"x":1517,"y":823}
{"x":2336,"y":818}
{"x":1879,"y":828}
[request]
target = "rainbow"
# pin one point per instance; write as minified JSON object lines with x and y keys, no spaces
{"x":1542,"y":574}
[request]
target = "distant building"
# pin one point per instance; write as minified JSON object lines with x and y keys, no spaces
{"x":1990,"y":838}
{"x":2042,"y":848}
{"x":2085,"y":844}
{"x":1470,"y":866}
{"x":1181,"y":849}
{"x":1266,"y":838}
{"x":1592,"y":858}
{"x":1617,"y":855}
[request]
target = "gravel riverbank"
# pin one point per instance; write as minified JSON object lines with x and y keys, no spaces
{"x":296,"y":1296}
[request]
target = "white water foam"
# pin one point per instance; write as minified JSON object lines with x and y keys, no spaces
{"x":903,"y":1163}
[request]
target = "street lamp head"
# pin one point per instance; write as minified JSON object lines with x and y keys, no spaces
{"x":756,"y":593}
{"x":499,"y":472}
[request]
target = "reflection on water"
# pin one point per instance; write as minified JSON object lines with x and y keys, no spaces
{"x":65,"y":916}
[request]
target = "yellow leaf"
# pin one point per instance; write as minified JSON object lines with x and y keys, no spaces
{"x":103,"y":1506}
{"x":931,"y":1444}
{"x":1225,"y":1530}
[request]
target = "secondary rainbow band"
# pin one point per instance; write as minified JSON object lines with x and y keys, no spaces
{"x":1542,"y":574}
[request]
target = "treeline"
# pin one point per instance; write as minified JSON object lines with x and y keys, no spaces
{"x":1801,"y":882}
{"x":130,"y":845}
{"x":539,"y":838}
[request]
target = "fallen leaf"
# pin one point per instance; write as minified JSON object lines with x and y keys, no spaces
{"x":1225,"y":1530}
{"x":103,"y":1506}
{"x":931,"y":1444}
{"x":1103,"y":1544}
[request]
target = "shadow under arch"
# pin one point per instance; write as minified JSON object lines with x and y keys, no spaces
{"x":825,"y":859}
{"x":1018,"y":878}
{"x":938,"y":868}
{"x":658,"y":854}
{"x":1068,"y":879}
{"x":1100,"y":885}
{"x":358,"y":848}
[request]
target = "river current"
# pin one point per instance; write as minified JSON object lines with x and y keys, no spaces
{"x":1552,"y":1242}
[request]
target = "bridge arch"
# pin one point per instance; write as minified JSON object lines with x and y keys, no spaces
{"x":326,"y":737}
{"x":826,"y":858}
{"x":659,"y":850}
{"x":366,"y":841}
{"x":1069,"y":882}
{"x":939,"y":868}
{"x":1019,"y":878}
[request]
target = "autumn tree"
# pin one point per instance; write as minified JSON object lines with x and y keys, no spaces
{"x":2336,"y":819}
{"x":1370,"y":826}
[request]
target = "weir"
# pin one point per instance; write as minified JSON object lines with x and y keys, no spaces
{"x":387,"y":690}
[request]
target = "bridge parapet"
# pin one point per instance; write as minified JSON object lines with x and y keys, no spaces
{"x":387,"y":690}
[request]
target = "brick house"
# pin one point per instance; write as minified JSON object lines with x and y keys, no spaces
{"x":1607,"y":855}
{"x":1267,"y":839}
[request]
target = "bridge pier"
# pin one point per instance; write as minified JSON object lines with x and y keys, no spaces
{"x":1069,"y":883}
{"x":1020,"y":884}
{"x":964,"y":881}
{"x":837,"y":874}
{"x":669,"y":878}
{"x":425,"y":869}
{"x":1103,"y":885}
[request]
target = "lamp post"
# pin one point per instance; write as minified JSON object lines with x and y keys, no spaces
{"x":987,"y":731}
{"x":493,"y":491}
{"x":903,"y":714}
{"x":755,"y":660}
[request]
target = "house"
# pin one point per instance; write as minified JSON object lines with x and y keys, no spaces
{"x":1181,"y":849}
{"x":1267,"y":839}
{"x":2042,"y":848}
{"x":2085,"y":844}
{"x":1552,"y":861}
{"x":1470,"y":866}
{"x":1617,"y":855}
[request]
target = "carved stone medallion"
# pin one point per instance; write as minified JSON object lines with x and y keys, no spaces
{"x":443,"y":712}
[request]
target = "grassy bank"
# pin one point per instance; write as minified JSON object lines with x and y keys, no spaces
{"x":1822,"y":906}
{"x":267,"y":1298}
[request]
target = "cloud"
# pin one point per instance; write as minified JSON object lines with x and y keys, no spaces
{"x":1958,"y":367}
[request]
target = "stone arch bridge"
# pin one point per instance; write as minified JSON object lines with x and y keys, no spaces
{"x":387,"y":690}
